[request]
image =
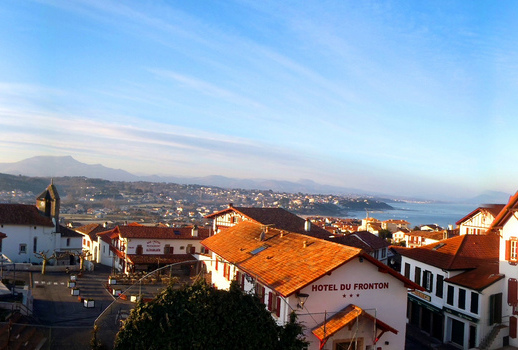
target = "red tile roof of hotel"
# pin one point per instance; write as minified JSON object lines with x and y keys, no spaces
{"x":23,"y":214}
{"x":457,"y":253}
{"x":282,"y":260}
{"x":343,"y":318}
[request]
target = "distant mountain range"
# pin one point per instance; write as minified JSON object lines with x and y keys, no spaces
{"x":51,"y":166}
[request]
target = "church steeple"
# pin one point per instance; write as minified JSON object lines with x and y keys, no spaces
{"x":48,"y":203}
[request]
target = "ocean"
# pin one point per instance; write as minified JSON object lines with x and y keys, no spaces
{"x":417,"y":214}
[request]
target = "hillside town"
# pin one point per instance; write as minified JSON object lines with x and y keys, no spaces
{"x":85,"y":200}
{"x":446,"y":287}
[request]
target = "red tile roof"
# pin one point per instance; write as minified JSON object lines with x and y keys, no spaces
{"x":23,"y":214}
{"x":91,"y":230}
{"x":437,"y":235}
{"x":66,"y":232}
{"x":344,"y":318}
{"x":397,"y":222}
{"x":106,"y":236}
{"x":505,"y":214}
{"x":363,"y":240}
{"x":282,"y":260}
{"x":278,"y":217}
{"x":492,"y":209}
{"x":478,"y":279}
{"x":457,"y":253}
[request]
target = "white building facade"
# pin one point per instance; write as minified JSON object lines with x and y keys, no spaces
{"x":339,"y":293}
{"x":462,"y":291}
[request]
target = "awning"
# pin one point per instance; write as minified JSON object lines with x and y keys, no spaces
{"x":344,"y":318}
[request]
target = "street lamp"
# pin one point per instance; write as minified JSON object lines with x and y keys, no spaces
{"x":302,"y":297}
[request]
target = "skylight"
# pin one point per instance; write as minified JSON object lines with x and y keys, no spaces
{"x":439,"y":246}
{"x":258,"y":250}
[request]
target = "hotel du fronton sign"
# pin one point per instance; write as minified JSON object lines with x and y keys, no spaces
{"x":349,"y":286}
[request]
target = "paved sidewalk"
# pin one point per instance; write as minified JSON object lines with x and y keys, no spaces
{"x":55,"y":306}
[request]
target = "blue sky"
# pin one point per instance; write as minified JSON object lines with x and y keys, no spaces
{"x":399,"y":97}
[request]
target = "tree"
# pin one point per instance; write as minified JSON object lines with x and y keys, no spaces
{"x":202,"y":317}
{"x":45,"y":259}
{"x":385,"y":234}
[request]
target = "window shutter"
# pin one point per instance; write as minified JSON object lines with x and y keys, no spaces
{"x":512,"y":291}
{"x":508,"y":250}
{"x":243,"y":281}
{"x":270,"y":301}
{"x":262,"y":294}
{"x":278,"y":310}
{"x":512,"y":326}
{"x":430,"y":286}
{"x":216,"y":265}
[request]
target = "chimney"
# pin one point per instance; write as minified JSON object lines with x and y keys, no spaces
{"x":230,"y":205}
{"x":194,"y":231}
{"x":262,"y":235}
{"x":304,"y":244}
{"x":307,"y":225}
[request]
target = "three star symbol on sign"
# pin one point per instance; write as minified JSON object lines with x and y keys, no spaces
{"x":350,"y":295}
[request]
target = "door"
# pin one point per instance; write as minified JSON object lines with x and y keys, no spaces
{"x":457,"y":332}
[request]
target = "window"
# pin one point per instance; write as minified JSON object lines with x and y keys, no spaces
{"x":240,"y":278}
{"x":0,"y":245}
{"x":417,"y":275}
{"x":274,"y":303}
{"x":512,"y":294}
{"x":428,"y":280}
{"x":511,"y":250}
{"x":167,"y":249}
{"x":23,"y":248}
{"x":35,"y":245}
{"x":462,"y":299}
{"x":260,"y":292}
{"x":439,"y":286}
{"x":226,"y":271}
{"x":474,"y":303}
{"x":384,"y":253}
{"x":449,"y":299}
{"x":407,"y":270}
{"x":495,"y":308}
{"x":139,"y":249}
{"x":68,"y":242}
